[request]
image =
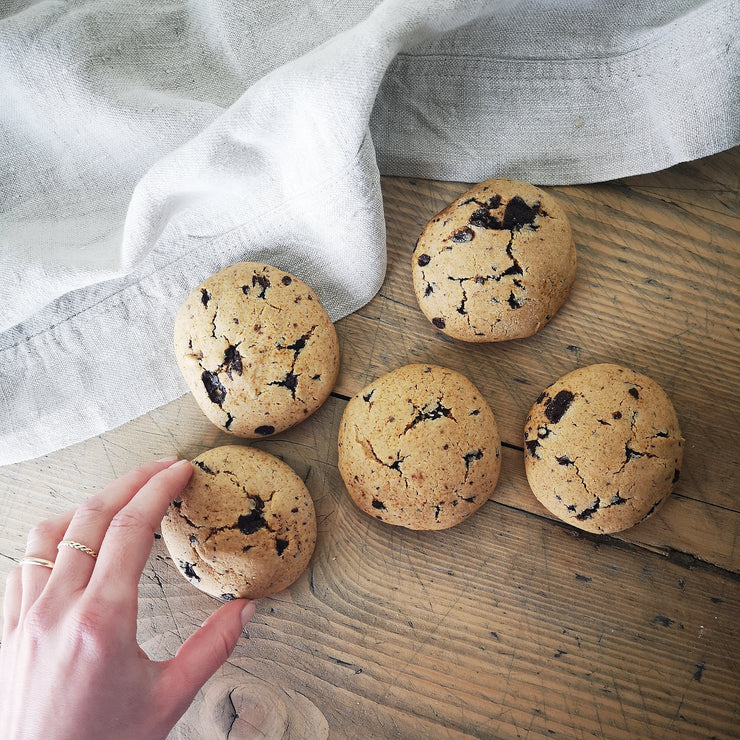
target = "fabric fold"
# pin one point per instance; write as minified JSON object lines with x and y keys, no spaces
{"x":149,"y":144}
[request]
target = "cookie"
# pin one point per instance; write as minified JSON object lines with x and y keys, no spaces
{"x":496,"y":264}
{"x":419,"y":448}
{"x":603,"y":448}
{"x":256,"y":348}
{"x":244,"y":527}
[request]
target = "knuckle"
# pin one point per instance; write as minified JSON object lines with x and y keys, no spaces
{"x":38,"y":622}
{"x":90,"y":512}
{"x":129,"y":519}
{"x":42,"y":532}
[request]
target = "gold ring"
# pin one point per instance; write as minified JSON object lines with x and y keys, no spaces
{"x":78,"y":546}
{"x":28,"y":560}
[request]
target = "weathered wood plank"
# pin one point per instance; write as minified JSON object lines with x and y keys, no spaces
{"x":510,"y":624}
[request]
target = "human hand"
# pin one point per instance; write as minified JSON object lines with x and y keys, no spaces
{"x":70,"y":665}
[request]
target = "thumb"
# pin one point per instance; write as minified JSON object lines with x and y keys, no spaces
{"x":209,"y":647}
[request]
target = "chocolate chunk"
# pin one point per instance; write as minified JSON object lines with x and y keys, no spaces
{"x":463,"y":235}
{"x":215,"y":390}
{"x":265,"y":430}
{"x":232,"y":361}
{"x":439,"y":322}
{"x":250,"y":523}
{"x":633,"y":392}
{"x":518,"y":213}
{"x":493,"y":202}
{"x":557,"y":406}
{"x":532,"y":445}
{"x":472,"y":456}
{"x":280,"y":546}
{"x":484,"y":220}
{"x":423,"y":260}
{"x":204,"y":467}
{"x":378,"y":504}
{"x":589,"y":512}
{"x":205,"y":296}
{"x":514,"y":302}
{"x":290,"y":381}
{"x":189,"y":570}
{"x":263,"y":281}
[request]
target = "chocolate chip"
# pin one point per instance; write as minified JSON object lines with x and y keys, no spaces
{"x":514,"y":302}
{"x":470,"y":457}
{"x":204,"y":467}
{"x":494,"y":201}
{"x":189,"y":570}
{"x":589,"y":512}
{"x":287,"y":280}
{"x":676,"y":475}
{"x":228,"y":597}
{"x":280,"y":546}
{"x":290,"y":381}
{"x":484,"y":220}
{"x":205,"y":296}
{"x":558,"y":406}
{"x":378,"y":504}
{"x":617,"y":415}
{"x":633,"y":392}
{"x":215,"y":390}
{"x":463,"y":235}
{"x":439,"y":322}
{"x":423,"y":260}
{"x":532,"y":445}
{"x":564,"y":460}
{"x":518,"y":213}
{"x":265,"y":430}
{"x":250,"y":523}
{"x":229,"y":420}
{"x":263,"y":281}
{"x":232,"y":361}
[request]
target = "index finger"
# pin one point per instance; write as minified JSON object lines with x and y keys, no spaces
{"x":128,"y":541}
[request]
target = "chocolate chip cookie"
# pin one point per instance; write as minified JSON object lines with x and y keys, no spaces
{"x":244,"y":527}
{"x":257,"y":349}
{"x":419,"y":448}
{"x":603,"y":448}
{"x":496,"y":264}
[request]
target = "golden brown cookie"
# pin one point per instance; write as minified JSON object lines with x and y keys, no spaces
{"x":244,"y":527}
{"x":419,"y":448}
{"x":496,"y":264}
{"x":602,"y":448}
{"x":257,"y":349}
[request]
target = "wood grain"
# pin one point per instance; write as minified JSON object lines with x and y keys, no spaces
{"x":511,"y":624}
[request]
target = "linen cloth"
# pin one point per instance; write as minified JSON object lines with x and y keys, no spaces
{"x":145,"y":144}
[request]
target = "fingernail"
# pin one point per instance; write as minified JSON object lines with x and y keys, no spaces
{"x":180,"y":464}
{"x":168,"y":459}
{"x":248,"y":612}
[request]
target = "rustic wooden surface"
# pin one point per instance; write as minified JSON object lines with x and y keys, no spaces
{"x":511,"y":624}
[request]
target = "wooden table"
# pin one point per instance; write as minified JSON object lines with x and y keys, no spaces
{"x":511,"y":624}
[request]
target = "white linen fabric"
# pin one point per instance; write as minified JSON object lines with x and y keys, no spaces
{"x":145,"y":144}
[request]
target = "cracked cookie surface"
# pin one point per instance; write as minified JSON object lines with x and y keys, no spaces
{"x":257,"y":349}
{"x":419,"y":448}
{"x":496,"y":264}
{"x":602,"y":448}
{"x":244,"y":527}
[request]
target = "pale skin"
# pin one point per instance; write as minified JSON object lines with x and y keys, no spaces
{"x":70,"y":665}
